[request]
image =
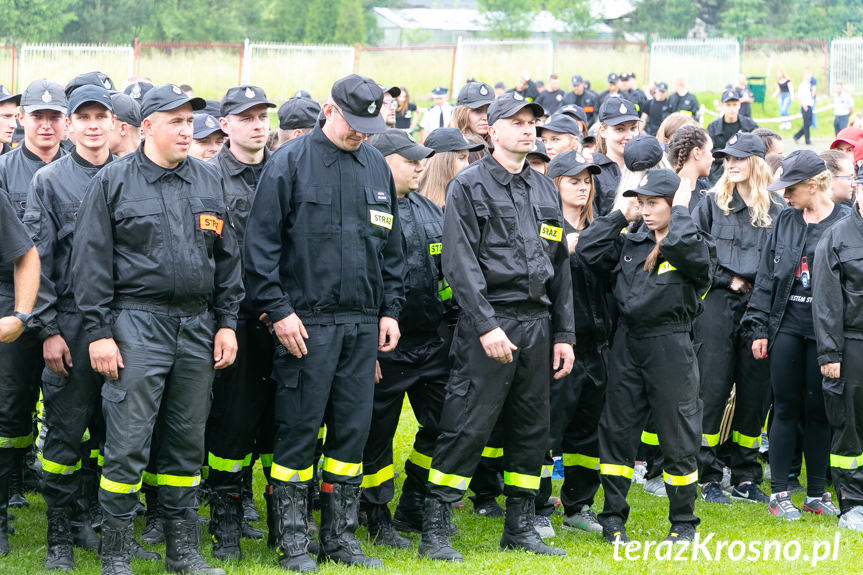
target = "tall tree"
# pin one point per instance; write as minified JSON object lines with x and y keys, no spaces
{"x":350,"y":24}
{"x":34,"y":20}
{"x":576,"y":14}
{"x":509,"y":18}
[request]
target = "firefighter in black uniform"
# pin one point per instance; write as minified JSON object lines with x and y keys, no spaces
{"x":17,"y":296}
{"x":323,"y":259}
{"x":243,"y":393}
{"x":837,"y":308}
{"x":419,"y":365}
{"x":505,"y":260}
{"x":8,"y":112}
{"x":70,"y":388}
{"x":43,"y":113}
{"x":658,"y":275}
{"x":157,"y":276}
{"x":583,"y":97}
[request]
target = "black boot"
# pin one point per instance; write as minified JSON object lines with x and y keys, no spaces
{"x":250,"y":532}
{"x":4,"y":515}
{"x":381,"y":530}
{"x":116,"y":546}
{"x":154,"y":526}
{"x":339,"y":525}
{"x":182,"y":538}
{"x":226,"y":515}
{"x":16,"y":483}
{"x":58,"y":553}
{"x":518,"y":530}
{"x":287,"y":503}
{"x":83,"y":534}
{"x":250,"y":512}
{"x":139,"y":552}
{"x":434,"y":541}
{"x":408,"y":517}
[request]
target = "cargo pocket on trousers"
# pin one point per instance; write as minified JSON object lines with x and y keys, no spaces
{"x":113,"y":393}
{"x":455,"y":405}
{"x":286,"y":375}
{"x":688,"y":428}
{"x":833,"y":389}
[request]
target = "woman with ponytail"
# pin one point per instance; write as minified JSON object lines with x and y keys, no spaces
{"x":738,"y":213}
{"x":690,"y":153}
{"x":658,"y":275}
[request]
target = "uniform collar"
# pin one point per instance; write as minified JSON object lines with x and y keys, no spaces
{"x":501,"y":175}
{"x":328,"y":151}
{"x":232,"y":165}
{"x":737,"y":202}
{"x":84,"y":163}
{"x":601,"y":159}
{"x":152,"y":171}
{"x":32,"y":156}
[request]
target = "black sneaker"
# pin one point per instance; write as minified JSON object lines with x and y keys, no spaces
{"x":681,"y":532}
{"x":749,"y":492}
{"x":711,"y":492}
{"x":488,"y":508}
{"x":614,"y":531}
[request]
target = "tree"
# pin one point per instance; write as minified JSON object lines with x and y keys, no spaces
{"x":319,"y":21}
{"x":747,"y":18}
{"x":34,"y":20}
{"x":575,"y":14}
{"x":350,"y":25}
{"x":508,"y":18}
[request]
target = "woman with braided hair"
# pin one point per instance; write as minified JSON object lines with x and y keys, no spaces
{"x":690,"y":153}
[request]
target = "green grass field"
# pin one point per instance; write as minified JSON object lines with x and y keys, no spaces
{"x":478,"y":541}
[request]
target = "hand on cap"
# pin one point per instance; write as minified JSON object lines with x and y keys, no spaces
{"x":683,"y":193}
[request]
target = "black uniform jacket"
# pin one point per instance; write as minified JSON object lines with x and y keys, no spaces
{"x":606,"y":183}
{"x":687,"y":104}
{"x":154,"y":239}
{"x":324,"y":238}
{"x":55,"y":197}
{"x":666,"y":299}
{"x":240,"y":185}
{"x":776,"y":273}
{"x":738,"y":242}
{"x":504,"y":250}
{"x":837,"y":288}
{"x":589,"y":102}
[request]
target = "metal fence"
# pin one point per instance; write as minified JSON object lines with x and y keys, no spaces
{"x":846,"y":63}
{"x":7,"y":66}
{"x":61,"y":62}
{"x":206,"y":67}
{"x":707,"y":65}
{"x":594,"y":59}
{"x":492,"y":61}
{"x":419,"y":68}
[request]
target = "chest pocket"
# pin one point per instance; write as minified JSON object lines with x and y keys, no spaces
{"x":314,"y":211}
{"x":851,"y":259}
{"x":724,"y":236}
{"x":209,"y":220}
{"x":138,"y":224}
{"x":380,"y":216}
{"x":19,"y":202}
{"x":67,"y":215}
{"x":550,"y":226}
{"x":498,"y":224}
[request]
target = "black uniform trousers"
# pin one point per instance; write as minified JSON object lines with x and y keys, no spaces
{"x":71,"y":406}
{"x":574,"y":431}
{"x":843,"y":400}
{"x":479,"y":391}
{"x":20,"y":372}
{"x":725,"y":359}
{"x":169,"y":364}
{"x":334,"y":383}
{"x":243,"y":403}
{"x":422,"y":373}
{"x":659,"y":375}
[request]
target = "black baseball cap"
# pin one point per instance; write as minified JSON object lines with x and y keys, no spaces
{"x":729,"y":95}
{"x":240,"y":98}
{"x":574,"y":111}
{"x":450,"y":140}
{"x":168,"y":97}
{"x":7,"y":96}
{"x":205,"y":125}
{"x":509,"y":104}
{"x":741,"y":145}
{"x":395,"y":141}
{"x":577,"y":80}
{"x":797,"y":166}
{"x":91,"y":79}
{"x":394,"y":91}
{"x":616,"y":111}
{"x":90,"y":94}
{"x":43,"y":95}
{"x":662,"y":86}
{"x":562,"y":123}
{"x":859,"y":179}
{"x":613,"y":78}
{"x":539,"y":150}
{"x":475,"y":95}
{"x":625,"y":76}
{"x":302,"y":94}
{"x":138,"y":90}
{"x":499,"y":86}
{"x":642,"y":152}
{"x":126,"y":109}
{"x":570,"y":163}
{"x":658,"y":183}
{"x":439,"y":92}
{"x":360,"y":99}
{"x":213,"y":108}
{"x":298,"y":113}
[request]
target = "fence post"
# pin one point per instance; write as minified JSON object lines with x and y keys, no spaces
{"x":452,"y":71}
{"x":247,"y":63}
{"x":356,"y":58}
{"x":136,"y":58}
{"x":14,"y":70}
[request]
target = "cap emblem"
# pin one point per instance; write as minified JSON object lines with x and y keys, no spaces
{"x":579,"y":158}
{"x":249,"y":93}
{"x":517,"y":96}
{"x":210,"y":123}
{"x":411,"y":138}
{"x":46,"y":96}
{"x":4,"y":90}
{"x":298,"y":93}
{"x":643,"y":182}
{"x":106,"y":83}
{"x":136,"y":91}
{"x":176,"y":90}
{"x":483,"y":91}
{"x":623,"y":108}
{"x":733,"y":140}
{"x":372,"y":108}
{"x":534,"y":148}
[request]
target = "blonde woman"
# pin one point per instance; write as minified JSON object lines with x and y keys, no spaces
{"x":451,"y":156}
{"x":738,"y":213}
{"x":618,"y":124}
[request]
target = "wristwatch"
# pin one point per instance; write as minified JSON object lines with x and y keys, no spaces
{"x":25,"y":318}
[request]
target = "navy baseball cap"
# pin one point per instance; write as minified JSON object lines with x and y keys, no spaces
{"x":798,"y":166}
{"x":138,"y":90}
{"x":741,"y":145}
{"x":539,"y":150}
{"x":662,"y":86}
{"x":642,"y":152}
{"x":574,"y":111}
{"x":360,"y":99}
{"x":394,"y":91}
{"x":168,"y":97}
{"x":298,"y":113}
{"x":240,"y":98}
{"x":205,"y":125}
{"x":616,"y":111}
{"x":89,"y":79}
{"x":625,"y":76}
{"x":90,"y":94}
{"x":450,"y":140}
{"x":508,"y":105}
{"x":561,"y":123}
{"x":658,"y":183}
{"x":439,"y":92}
{"x":729,"y":95}
{"x":570,"y":163}
{"x":475,"y":95}
{"x":127,"y":109}
{"x":302,"y":94}
{"x":613,"y":78}
{"x":395,"y":141}
{"x":43,"y":95}
{"x":577,"y":80}
{"x":7,"y":96}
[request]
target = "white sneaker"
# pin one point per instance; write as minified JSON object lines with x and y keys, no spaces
{"x":542,"y":525}
{"x":852,"y":519}
{"x":639,"y":472}
{"x":655,"y":486}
